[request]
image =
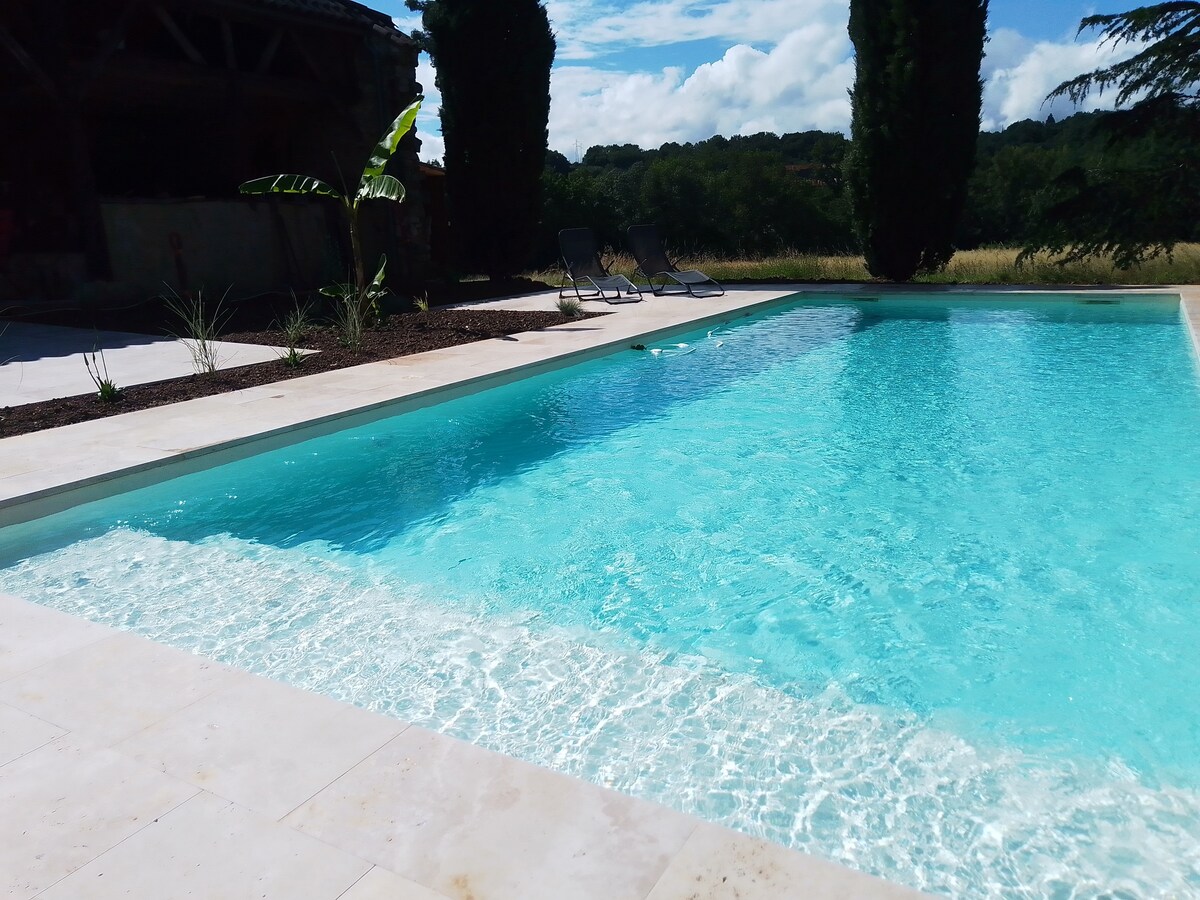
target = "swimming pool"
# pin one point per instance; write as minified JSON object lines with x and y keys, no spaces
{"x":908,"y":584}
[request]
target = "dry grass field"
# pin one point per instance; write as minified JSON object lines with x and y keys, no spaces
{"x":987,"y":266}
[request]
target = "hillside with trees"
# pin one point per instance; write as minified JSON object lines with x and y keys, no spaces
{"x":763,"y":193}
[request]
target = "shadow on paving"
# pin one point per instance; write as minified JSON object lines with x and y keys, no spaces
{"x":28,"y":341}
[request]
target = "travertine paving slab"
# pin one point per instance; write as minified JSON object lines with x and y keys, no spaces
{"x":213,"y":849}
{"x":115,"y":687}
{"x":67,"y":802}
{"x":468,"y":822}
{"x":380,"y":884}
{"x":264,"y":745}
{"x":21,"y":732}
{"x":31,"y":635}
{"x":718,"y":864}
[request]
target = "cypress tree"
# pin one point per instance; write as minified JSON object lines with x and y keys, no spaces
{"x":915,"y":121}
{"x":493,"y":64}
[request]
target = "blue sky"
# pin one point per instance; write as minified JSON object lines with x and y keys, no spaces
{"x":651,"y":71}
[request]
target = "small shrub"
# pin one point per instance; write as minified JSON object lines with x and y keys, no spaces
{"x":292,"y":358}
{"x":366,"y":301}
{"x":294,"y":326}
{"x":106,"y":389}
{"x":199,"y":328}
{"x":296,"y":323}
{"x":569,"y":307}
{"x":421,"y":303}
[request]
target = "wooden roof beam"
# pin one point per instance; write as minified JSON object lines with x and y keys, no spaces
{"x":21,"y":55}
{"x":114,"y":39}
{"x":268,"y":54}
{"x":227,"y":41}
{"x":331,"y":94}
{"x":189,"y":49}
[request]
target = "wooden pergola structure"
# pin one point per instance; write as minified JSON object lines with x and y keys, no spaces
{"x":110,"y":101}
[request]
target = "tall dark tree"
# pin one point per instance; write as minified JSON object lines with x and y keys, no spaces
{"x":493,"y":64}
{"x":1145,"y":194}
{"x":915,"y":120}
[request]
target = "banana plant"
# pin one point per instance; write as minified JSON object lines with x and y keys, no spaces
{"x":368,"y":297}
{"x":373,"y":185}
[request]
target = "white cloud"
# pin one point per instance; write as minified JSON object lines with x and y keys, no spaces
{"x":798,"y":84}
{"x":429,"y":127}
{"x":589,"y":28}
{"x":408,"y":22}
{"x":1022,"y":72}
{"x":770,"y":76}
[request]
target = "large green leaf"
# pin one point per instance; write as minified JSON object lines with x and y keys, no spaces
{"x":387,"y":145}
{"x":381,"y":187}
{"x":340,"y":291}
{"x":377,"y":284}
{"x":290,"y":184}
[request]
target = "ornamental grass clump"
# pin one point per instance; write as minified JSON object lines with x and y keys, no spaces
{"x":199,"y":327}
{"x":350,"y":319}
{"x":569,"y":307}
{"x":294,"y":326}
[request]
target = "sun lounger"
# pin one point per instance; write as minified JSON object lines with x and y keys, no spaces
{"x":582,"y":267}
{"x":647,"y":247}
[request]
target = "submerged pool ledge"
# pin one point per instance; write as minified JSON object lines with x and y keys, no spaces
{"x":133,"y":769}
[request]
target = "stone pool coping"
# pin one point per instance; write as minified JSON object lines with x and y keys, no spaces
{"x":130,"y":767}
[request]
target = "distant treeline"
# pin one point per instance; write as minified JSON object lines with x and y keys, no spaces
{"x":763,"y":193}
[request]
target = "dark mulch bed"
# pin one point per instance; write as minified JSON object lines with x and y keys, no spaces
{"x":399,"y":336}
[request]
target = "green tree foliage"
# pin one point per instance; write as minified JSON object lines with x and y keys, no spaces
{"x":743,"y":196}
{"x":493,"y":64}
{"x":1142,"y":195}
{"x":765,"y":193}
{"x":915,"y":120}
{"x":1012,"y":172}
{"x":1168,"y":65}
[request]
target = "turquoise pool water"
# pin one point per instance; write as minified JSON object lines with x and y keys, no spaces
{"x":911,"y":585}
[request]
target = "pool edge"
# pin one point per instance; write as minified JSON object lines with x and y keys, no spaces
{"x":59,"y":490}
{"x":31,"y":492}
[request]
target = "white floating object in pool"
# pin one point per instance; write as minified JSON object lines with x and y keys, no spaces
{"x":720,"y":343}
{"x":681,"y":345}
{"x":656,"y":350}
